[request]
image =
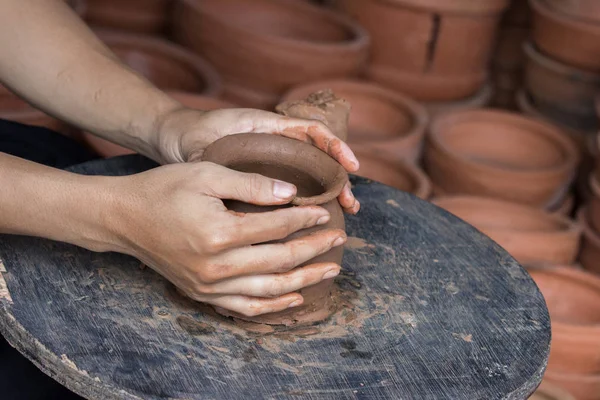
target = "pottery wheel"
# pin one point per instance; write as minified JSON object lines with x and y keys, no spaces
{"x":433,"y":310}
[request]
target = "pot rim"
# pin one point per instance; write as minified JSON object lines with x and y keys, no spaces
{"x":550,"y":132}
{"x":164,"y":48}
{"x":455,"y":6}
{"x":540,"y":7}
{"x":399,"y":101}
{"x":574,"y":74}
{"x":360,"y":37}
{"x":332,"y":186}
{"x":479,"y":100}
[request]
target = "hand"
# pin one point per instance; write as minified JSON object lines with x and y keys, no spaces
{"x":172,"y":219}
{"x":184,"y":134}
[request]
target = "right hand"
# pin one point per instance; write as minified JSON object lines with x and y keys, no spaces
{"x":172,"y":219}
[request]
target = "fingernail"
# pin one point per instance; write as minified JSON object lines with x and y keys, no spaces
{"x":295,"y":303}
{"x":331,"y":274}
{"x":339,"y":241}
{"x":323,"y":220}
{"x":283,"y":190}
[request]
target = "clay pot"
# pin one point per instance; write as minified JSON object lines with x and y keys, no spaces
{"x":500,"y":154}
{"x":191,"y":100}
{"x":581,"y":9}
{"x":572,"y":41}
{"x":589,"y":256}
{"x":583,"y":387}
{"x":380,"y":118}
{"x":573,"y":300}
{"x":384,"y":167}
{"x":547,"y":391}
{"x":528,"y":234}
{"x":140,"y":16}
{"x":166,"y":65}
{"x":565,"y":208}
{"x":263,"y":47}
{"x":480,"y":99}
{"x":431,"y":50}
{"x":319,"y":179}
{"x":566,"y":93}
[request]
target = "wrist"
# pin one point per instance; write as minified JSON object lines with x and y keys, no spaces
{"x":173,"y":132}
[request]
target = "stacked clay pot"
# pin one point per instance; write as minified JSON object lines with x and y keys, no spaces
{"x":573,"y":300}
{"x":501,"y":155}
{"x":138,"y":16}
{"x":530,"y":235}
{"x":432,"y":50}
{"x":264,"y":47}
{"x":379,"y":119}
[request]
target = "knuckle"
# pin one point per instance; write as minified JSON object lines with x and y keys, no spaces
{"x":209,"y":273}
{"x":215,"y":243}
{"x":253,"y":185}
{"x":202,"y":289}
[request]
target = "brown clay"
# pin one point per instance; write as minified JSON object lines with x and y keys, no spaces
{"x":589,"y":256}
{"x":583,"y":387}
{"x":166,"y":65}
{"x":323,"y":106}
{"x":528,"y":234}
{"x":480,"y":99}
{"x":573,"y":300}
{"x":572,"y":41}
{"x":500,"y":154}
{"x":384,"y":167}
{"x":431,"y":50}
{"x":566,"y":93}
{"x":141,"y":16}
{"x":547,"y":391}
{"x":581,"y":9}
{"x":319,"y":179}
{"x":191,"y":100}
{"x":380,"y":118}
{"x":263,"y":47}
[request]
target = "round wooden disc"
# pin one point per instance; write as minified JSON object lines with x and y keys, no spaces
{"x":430,"y":308}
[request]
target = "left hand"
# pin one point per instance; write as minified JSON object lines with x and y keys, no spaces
{"x":184,"y":134}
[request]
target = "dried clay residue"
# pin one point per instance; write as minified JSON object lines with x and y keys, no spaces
{"x":356,"y":243}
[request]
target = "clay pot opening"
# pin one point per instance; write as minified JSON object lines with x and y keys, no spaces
{"x":321,"y":180}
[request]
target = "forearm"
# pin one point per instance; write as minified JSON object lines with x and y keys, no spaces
{"x":51,"y":58}
{"x":36,"y":200}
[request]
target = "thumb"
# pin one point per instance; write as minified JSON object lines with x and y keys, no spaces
{"x":251,"y":188}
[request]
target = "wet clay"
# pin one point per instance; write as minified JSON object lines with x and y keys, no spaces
{"x":322,"y":106}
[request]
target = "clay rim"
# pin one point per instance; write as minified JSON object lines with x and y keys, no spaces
{"x":233,"y":145}
{"x":400,"y":101}
{"x":490,"y":116}
{"x":163,"y":48}
{"x":426,"y":78}
{"x":479,"y":100}
{"x":540,"y":7}
{"x":455,"y":6}
{"x":359,"y":40}
{"x":573,"y":74}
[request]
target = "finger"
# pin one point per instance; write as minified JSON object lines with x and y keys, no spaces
{"x":348,"y":201}
{"x":246,"y":187}
{"x":272,"y":258}
{"x":253,"y":306}
{"x":275,"y":285}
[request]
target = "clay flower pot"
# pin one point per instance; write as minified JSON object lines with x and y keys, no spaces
{"x":263,"y":47}
{"x":566,"y":93}
{"x":583,"y":387}
{"x":481,"y":99}
{"x":434,"y":50}
{"x":589,"y":255}
{"x":319,"y":179}
{"x":140,"y":16}
{"x":166,"y":65}
{"x":380,"y":118}
{"x":528,"y":234}
{"x":581,"y":9}
{"x":384,"y":167}
{"x":500,"y":154}
{"x":191,"y":100}
{"x":547,"y":391}
{"x":573,"y":300}
{"x":569,"y":40}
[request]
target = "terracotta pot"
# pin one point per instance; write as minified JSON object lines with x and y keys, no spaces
{"x":573,"y":300}
{"x":573,"y":41}
{"x":265,"y":47}
{"x":566,"y":93}
{"x":166,"y":65}
{"x":583,"y":387}
{"x":589,"y":256}
{"x":141,"y":16}
{"x":547,"y":391}
{"x":384,"y":167}
{"x":380,"y":118}
{"x":508,"y":53}
{"x":480,"y":99}
{"x":431,"y":50}
{"x":319,"y":179}
{"x":500,"y":154}
{"x":581,"y":9}
{"x":528,"y":234}
{"x":191,"y":100}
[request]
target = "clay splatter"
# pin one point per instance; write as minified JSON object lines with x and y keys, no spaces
{"x":393,"y":203}
{"x":194,"y":327}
